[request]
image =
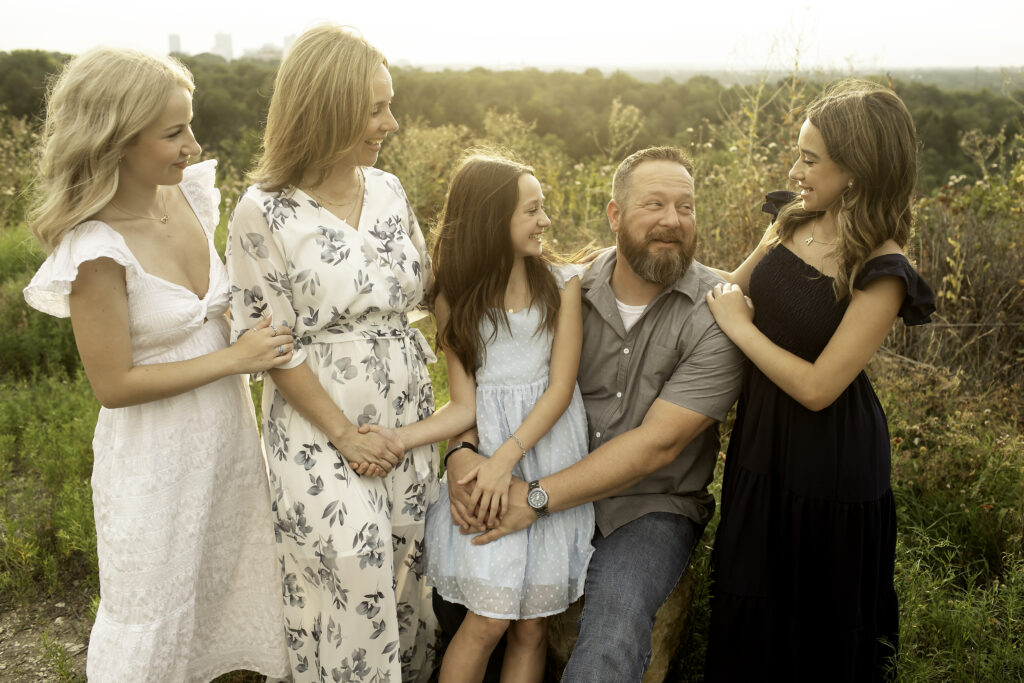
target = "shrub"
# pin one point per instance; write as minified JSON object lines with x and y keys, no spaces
{"x":33,"y":343}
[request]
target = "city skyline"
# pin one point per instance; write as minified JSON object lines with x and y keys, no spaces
{"x":738,"y":34}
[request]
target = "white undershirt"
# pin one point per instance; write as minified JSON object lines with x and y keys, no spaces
{"x":629,"y":314}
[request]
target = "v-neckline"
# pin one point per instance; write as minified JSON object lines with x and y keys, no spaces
{"x":323,"y":209}
{"x":209,"y":254}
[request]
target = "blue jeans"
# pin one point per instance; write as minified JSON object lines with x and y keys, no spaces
{"x":631,"y":574}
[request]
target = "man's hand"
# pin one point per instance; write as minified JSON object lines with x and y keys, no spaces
{"x":519,"y":514}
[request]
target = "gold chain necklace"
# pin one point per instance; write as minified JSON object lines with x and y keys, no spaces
{"x":162,"y":219}
{"x":323,"y":200}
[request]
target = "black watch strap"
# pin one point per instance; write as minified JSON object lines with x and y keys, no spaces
{"x":458,"y":445}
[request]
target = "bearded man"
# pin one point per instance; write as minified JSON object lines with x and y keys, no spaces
{"x":656,"y":375}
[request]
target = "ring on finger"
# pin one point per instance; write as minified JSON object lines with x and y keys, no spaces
{"x":274,"y":330}
{"x":280,"y":350}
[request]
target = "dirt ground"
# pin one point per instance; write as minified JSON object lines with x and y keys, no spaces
{"x":44,"y":641}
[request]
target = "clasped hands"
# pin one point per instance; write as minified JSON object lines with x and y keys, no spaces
{"x":485,"y":498}
{"x":472,"y":511}
{"x":371,"y":450}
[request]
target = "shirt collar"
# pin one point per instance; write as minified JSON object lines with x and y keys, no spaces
{"x":599,"y":276}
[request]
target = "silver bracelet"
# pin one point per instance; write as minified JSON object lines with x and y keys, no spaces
{"x":520,"y":444}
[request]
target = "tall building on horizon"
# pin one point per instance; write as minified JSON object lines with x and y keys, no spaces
{"x":222,"y":46}
{"x":174,"y":44}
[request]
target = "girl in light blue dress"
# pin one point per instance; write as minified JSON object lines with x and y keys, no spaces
{"x":509,"y":324}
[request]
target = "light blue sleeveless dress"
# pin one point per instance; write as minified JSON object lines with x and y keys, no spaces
{"x":540,"y":570}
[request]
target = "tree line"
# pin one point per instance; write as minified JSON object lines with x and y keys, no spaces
{"x":570,"y":110}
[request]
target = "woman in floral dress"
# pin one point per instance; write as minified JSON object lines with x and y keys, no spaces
{"x":328,"y":245}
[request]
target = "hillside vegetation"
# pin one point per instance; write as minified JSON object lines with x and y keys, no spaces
{"x":952,"y":389}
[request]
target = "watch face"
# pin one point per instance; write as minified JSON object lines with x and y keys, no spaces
{"x":537,"y":498}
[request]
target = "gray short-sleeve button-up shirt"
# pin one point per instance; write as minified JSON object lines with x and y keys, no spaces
{"x":674,"y":352}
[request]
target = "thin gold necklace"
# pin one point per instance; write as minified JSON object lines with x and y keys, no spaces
{"x":162,"y":219}
{"x":811,"y":238}
{"x":354,"y":201}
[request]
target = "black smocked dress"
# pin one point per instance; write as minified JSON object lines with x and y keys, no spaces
{"x":804,"y":553}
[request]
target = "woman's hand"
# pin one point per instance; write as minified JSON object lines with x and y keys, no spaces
{"x":369,"y":452}
{"x":370,"y":469}
{"x":262,"y":347}
{"x":730,"y":307}
{"x":492,"y":478}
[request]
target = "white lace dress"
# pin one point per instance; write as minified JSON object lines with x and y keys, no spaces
{"x":189,"y":587}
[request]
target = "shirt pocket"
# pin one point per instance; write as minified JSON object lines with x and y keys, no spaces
{"x":656,"y":366}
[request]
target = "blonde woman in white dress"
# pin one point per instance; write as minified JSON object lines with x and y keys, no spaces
{"x":188,"y":587}
{"x":329,"y":246}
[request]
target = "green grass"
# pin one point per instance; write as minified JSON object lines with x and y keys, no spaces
{"x":952,"y":394}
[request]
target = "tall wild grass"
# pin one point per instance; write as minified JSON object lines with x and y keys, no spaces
{"x":951,"y":389}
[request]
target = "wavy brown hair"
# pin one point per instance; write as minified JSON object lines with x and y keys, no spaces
{"x":473,"y":255}
{"x":322,"y":102}
{"x":869,"y":132}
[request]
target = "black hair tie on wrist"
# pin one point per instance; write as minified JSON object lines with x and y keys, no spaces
{"x":458,"y":446}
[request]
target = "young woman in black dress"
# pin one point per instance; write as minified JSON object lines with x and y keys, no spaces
{"x":804,"y":554}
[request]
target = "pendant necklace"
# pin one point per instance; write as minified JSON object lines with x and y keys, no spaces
{"x":811,"y":238}
{"x":162,"y":219}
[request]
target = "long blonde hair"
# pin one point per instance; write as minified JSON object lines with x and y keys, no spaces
{"x":321,"y":105}
{"x":869,"y":132}
{"x":97,"y":106}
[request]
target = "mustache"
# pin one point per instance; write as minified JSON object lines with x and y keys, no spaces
{"x":664,"y":236}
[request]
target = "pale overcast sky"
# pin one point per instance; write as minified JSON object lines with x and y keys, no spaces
{"x":857,"y":34}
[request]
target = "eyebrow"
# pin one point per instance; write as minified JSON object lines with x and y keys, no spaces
{"x":809,"y":153}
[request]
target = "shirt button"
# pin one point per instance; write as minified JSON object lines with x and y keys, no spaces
{"x":618,"y":394}
{"x":597,"y":435}
{"x":625,"y":351}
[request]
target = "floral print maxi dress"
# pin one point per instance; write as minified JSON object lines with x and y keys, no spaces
{"x":351,"y":548}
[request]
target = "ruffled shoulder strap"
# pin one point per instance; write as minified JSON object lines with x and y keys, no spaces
{"x":50,"y":286}
{"x":199,"y":186}
{"x":774,"y":201}
{"x":919,"y":304}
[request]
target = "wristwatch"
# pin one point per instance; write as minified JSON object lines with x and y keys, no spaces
{"x":537,"y":498}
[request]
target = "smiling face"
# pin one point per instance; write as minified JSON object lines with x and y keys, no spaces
{"x":381,"y":121}
{"x":529,"y":219}
{"x":657,"y":226}
{"x":821,"y":181}
{"x":159,"y":154}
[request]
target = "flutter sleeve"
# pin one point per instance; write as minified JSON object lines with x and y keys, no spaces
{"x":200,"y":186}
{"x":564,"y":272}
{"x":774,"y":201}
{"x":919,"y":303}
{"x":260,"y":281}
{"x":50,"y":286}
